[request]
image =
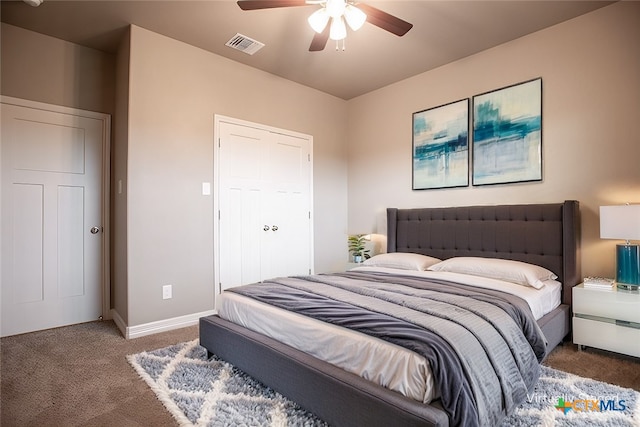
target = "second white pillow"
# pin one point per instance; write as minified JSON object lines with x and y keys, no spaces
{"x":517,"y":272}
{"x":402,"y":261}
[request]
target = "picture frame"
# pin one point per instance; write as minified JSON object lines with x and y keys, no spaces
{"x":440,"y":153}
{"x":507,"y":134}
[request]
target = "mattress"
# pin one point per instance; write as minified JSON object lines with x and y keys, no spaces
{"x":363,"y":355}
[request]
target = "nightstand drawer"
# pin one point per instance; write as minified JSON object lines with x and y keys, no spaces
{"x":607,"y":336}
{"x":620,"y":305}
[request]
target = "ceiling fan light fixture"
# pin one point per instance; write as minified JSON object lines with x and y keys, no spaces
{"x":355,"y":17}
{"x":338,"y":30}
{"x":319,"y":20}
{"x":338,"y":11}
{"x":335,"y":8}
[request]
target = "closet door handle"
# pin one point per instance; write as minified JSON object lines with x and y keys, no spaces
{"x":274,"y":227}
{"x":266,"y":228}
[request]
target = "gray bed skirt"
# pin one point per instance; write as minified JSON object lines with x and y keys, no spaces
{"x":336,"y":396}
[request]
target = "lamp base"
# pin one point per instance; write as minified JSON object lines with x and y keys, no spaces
{"x":630,"y":288}
{"x":628,"y":264}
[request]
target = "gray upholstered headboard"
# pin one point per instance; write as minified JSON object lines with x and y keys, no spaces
{"x":543,"y":234}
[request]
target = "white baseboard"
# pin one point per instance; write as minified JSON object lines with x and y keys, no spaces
{"x":160,"y":325}
{"x":119,"y":322}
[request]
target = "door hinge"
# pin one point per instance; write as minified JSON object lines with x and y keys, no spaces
{"x":219,"y":144}
{"x":308,"y":157}
{"x":220,"y":287}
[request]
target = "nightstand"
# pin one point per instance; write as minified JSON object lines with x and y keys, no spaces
{"x":609,"y":320}
{"x":351,"y":265}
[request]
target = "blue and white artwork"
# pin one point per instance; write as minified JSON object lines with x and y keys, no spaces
{"x":441,"y":146}
{"x":507,"y":134}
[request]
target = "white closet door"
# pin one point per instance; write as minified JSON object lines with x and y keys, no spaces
{"x":287,"y":207}
{"x":264,"y":203}
{"x":51,"y":199}
{"x":242,"y":151}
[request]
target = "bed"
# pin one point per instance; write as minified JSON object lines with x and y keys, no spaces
{"x":545,"y":235}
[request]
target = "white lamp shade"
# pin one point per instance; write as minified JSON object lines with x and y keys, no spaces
{"x":620,"y":222}
{"x":338,"y":30}
{"x":318,"y":20}
{"x":355,"y":17}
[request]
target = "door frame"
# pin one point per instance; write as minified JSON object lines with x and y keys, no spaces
{"x":217,"y":119}
{"x":106,"y":174}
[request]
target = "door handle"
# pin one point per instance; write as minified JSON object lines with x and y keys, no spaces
{"x":274,"y":227}
{"x":95,"y":230}
{"x":266,"y":228}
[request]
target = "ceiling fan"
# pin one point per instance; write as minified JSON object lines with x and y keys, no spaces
{"x":337,"y":11}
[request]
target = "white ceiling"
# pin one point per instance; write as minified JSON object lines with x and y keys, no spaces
{"x":443,"y":31}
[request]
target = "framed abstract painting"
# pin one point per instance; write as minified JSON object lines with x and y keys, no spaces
{"x":441,"y":146}
{"x":507,"y":134}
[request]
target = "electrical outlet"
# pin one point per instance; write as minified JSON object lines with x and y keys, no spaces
{"x":166,"y":292}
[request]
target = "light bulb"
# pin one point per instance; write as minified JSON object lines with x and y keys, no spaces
{"x":355,"y":17}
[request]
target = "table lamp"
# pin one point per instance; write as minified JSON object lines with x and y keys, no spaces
{"x":623,"y":222}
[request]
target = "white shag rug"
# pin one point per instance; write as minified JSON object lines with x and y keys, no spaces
{"x":201,"y":392}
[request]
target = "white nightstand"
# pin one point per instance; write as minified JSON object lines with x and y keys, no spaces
{"x":608,"y":320}
{"x":351,"y":265}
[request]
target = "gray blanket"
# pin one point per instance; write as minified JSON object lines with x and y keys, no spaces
{"x":483,"y":346}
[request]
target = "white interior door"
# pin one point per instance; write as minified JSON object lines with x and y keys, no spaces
{"x":264,"y":203}
{"x":51,"y":199}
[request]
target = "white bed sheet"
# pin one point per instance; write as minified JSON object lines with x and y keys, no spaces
{"x":381,"y":362}
{"x":366,"y":356}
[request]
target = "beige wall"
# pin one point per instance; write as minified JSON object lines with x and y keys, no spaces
{"x":590,"y":69}
{"x":49,"y":70}
{"x":119,"y":154}
{"x":174,"y":91}
{"x":168,"y":93}
{"x":163,"y":107}
{"x":45,"y":69}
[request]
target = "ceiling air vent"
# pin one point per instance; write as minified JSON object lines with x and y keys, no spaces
{"x":244,"y":44}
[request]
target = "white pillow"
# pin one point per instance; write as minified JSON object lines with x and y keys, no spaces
{"x":520,"y":273}
{"x":402,"y":260}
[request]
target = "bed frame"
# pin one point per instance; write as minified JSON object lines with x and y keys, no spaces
{"x":544,"y":234}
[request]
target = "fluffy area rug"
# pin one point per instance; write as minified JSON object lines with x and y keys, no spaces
{"x":210,"y":392}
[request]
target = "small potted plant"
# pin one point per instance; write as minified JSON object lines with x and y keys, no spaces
{"x":357,"y":248}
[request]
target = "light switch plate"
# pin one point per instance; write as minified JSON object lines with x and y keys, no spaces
{"x":206,"y":188}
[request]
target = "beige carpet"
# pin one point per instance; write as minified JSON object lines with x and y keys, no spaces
{"x":79,"y":376}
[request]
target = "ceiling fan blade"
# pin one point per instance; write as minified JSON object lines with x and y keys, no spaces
{"x":384,"y":20}
{"x":319,"y":40}
{"x":269,"y":4}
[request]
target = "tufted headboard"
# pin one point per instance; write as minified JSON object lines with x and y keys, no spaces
{"x":543,"y":234}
